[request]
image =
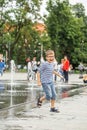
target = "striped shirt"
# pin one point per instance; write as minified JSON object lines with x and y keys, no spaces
{"x":46,"y":72}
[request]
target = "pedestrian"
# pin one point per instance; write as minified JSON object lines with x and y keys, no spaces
{"x":66,"y":65}
{"x":29,"y":69}
{"x":2,"y":66}
{"x":45,"y":78}
{"x":81,"y":69}
{"x":34,"y":67}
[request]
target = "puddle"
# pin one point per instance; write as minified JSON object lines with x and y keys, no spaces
{"x":18,"y":97}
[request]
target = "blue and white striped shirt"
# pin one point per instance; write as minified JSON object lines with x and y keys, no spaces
{"x":46,"y":72}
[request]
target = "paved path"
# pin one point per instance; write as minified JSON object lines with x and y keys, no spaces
{"x":72,"y":116}
{"x":16,"y":76}
{"x":73,"y":78}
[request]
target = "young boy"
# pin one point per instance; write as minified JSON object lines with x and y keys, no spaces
{"x":45,"y":77}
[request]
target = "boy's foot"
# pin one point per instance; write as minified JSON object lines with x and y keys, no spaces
{"x":39,"y":103}
{"x":54,"y":110}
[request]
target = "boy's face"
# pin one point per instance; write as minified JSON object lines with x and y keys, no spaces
{"x":50,"y":58}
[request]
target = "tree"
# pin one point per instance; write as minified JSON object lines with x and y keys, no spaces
{"x":79,"y":12}
{"x":16,"y":27}
{"x":64,"y":30}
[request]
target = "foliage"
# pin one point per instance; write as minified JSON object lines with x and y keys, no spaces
{"x":16,"y":28}
{"x":65,"y":30}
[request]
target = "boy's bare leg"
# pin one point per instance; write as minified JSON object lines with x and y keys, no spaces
{"x":52,"y":103}
{"x":53,"y":109}
{"x":42,"y":98}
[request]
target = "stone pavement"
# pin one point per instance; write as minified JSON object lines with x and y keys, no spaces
{"x":73,"y":78}
{"x":72,"y":116}
{"x":16,"y":76}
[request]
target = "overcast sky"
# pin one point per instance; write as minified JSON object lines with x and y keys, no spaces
{"x":84,"y":2}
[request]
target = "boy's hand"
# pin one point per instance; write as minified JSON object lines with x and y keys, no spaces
{"x":38,"y":79}
{"x":39,"y":83}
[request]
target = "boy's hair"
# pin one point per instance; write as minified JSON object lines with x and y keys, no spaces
{"x":49,"y":52}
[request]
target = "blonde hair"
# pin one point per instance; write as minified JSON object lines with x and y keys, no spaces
{"x":50,"y":52}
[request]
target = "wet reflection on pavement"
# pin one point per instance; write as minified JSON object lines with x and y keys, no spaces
{"x":18,"y":97}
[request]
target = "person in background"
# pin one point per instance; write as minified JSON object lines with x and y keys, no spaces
{"x":45,"y":78}
{"x":81,"y":69}
{"x":29,"y":69}
{"x":34,"y":67}
{"x":66,"y":65}
{"x":2,"y":66}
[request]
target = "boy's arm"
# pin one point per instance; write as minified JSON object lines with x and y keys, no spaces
{"x":38,"y":79}
{"x":56,"y":73}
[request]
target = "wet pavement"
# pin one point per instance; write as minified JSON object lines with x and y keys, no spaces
{"x":21,"y":112}
{"x":72,"y":116}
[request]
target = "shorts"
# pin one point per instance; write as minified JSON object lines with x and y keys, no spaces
{"x":49,"y":90}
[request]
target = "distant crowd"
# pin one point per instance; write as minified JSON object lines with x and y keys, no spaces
{"x":63,"y":68}
{"x":2,"y":65}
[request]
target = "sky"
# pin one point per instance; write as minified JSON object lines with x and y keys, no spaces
{"x":84,"y":2}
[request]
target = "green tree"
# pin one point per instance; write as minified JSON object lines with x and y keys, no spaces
{"x":16,"y":27}
{"x":79,"y":12}
{"x":64,"y":30}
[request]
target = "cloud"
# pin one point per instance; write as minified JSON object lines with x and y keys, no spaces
{"x":84,"y":2}
{"x":43,"y":6}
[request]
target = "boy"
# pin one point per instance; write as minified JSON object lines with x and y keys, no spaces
{"x":45,"y":77}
